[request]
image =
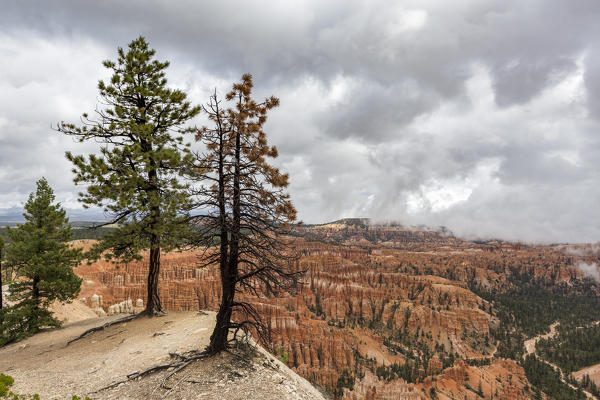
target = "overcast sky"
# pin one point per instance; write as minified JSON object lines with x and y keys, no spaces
{"x":483,"y":116}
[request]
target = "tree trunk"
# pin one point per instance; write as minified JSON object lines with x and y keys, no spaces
{"x":153,"y":305}
{"x":35,"y":292}
{"x":229,"y":267}
{"x":218,"y":339}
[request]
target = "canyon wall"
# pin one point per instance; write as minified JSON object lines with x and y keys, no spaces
{"x":372,"y":299}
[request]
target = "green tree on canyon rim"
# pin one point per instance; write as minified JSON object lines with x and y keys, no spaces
{"x":244,"y":208}
{"x":44,"y":260}
{"x":136,"y":176}
{"x":1,"y":270}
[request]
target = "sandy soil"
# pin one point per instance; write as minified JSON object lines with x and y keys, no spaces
{"x":530,"y":344}
{"x":46,"y":365}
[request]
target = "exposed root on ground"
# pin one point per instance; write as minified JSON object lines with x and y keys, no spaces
{"x":184,"y":360}
{"x":106,"y":325}
{"x":174,"y":386}
{"x":118,"y":321}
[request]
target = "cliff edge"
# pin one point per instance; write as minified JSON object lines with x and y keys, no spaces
{"x":46,"y":365}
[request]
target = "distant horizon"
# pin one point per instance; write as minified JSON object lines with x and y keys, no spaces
{"x":13,"y":216}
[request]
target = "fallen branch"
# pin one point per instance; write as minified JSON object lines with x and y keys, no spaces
{"x":178,"y":365}
{"x":106,"y":325}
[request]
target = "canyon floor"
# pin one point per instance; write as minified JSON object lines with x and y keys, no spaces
{"x":47,"y":365}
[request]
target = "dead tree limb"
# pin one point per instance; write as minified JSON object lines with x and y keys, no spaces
{"x":106,"y":325}
{"x":178,"y":365}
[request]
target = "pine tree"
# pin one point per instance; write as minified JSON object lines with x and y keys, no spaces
{"x":45,"y":261}
{"x":245,"y":209}
{"x":1,"y":271}
{"x":135,"y":178}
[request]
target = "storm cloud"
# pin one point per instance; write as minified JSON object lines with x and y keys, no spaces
{"x":483,"y":116}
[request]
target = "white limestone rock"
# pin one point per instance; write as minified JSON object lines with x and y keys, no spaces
{"x":95,"y":301}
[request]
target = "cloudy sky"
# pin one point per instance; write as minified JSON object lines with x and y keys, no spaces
{"x":480,"y":115}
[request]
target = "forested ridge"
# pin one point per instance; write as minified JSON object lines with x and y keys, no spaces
{"x":573,"y":349}
{"x":544,"y":378}
{"x":528,"y":309}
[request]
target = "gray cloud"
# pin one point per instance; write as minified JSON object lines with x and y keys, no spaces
{"x":479,"y":115}
{"x":592,"y":80}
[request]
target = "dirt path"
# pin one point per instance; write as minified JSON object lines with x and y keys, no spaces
{"x":530,"y":349}
{"x":530,"y":344}
{"x":44,"y":364}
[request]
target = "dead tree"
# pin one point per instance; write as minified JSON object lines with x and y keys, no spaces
{"x":244,"y":210}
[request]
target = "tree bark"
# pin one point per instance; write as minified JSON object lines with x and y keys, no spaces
{"x":229,"y":274}
{"x":218,"y":339}
{"x":153,"y":305}
{"x":35,"y":292}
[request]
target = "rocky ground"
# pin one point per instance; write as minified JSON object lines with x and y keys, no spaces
{"x":46,"y":365}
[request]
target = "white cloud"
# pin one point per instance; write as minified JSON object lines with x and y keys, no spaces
{"x":589,"y":270}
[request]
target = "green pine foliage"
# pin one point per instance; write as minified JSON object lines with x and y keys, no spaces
{"x":409,"y":371}
{"x":528,"y":309}
{"x":535,"y":308}
{"x":136,"y":176}
{"x":345,"y":380}
{"x":547,"y":379}
{"x":573,"y":349}
{"x":587,"y":384}
{"x":44,"y":261}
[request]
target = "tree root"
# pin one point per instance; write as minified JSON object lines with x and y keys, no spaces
{"x":106,"y":325}
{"x":184,"y":361}
{"x":174,"y":386}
